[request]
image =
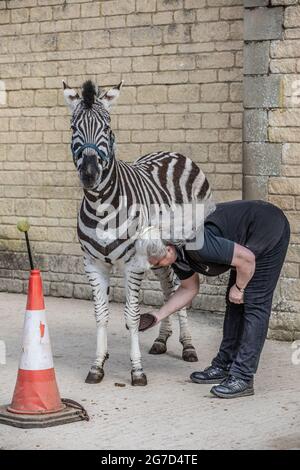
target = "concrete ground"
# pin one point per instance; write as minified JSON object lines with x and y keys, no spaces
{"x":171,"y":412}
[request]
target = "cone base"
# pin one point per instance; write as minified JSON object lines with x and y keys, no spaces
{"x":26,"y":421}
{"x":36,"y":392}
{"x":38,"y":412}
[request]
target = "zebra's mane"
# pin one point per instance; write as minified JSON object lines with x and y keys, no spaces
{"x":89,"y":93}
{"x":97,"y":108}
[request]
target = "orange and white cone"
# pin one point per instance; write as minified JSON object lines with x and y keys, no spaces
{"x":36,"y":390}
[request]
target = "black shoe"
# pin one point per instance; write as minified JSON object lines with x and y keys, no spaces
{"x":233,"y":387}
{"x":210,"y":375}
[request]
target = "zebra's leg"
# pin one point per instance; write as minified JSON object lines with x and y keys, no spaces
{"x":98,"y":275}
{"x":169,"y":284}
{"x":133,"y":279}
{"x":160,"y":343}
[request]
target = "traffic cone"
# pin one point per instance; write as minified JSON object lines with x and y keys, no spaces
{"x":36,"y":400}
{"x":36,"y":389}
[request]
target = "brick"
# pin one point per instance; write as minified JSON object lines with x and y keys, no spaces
{"x":142,"y":19}
{"x":145,"y":136}
{"x":284,"y":134}
{"x":184,"y":93}
{"x":46,"y":98}
{"x":284,"y":118}
{"x":214,"y":92}
{"x":68,"y":41}
{"x":256,"y":58}
{"x":284,"y":202}
{"x":202,"y":135}
{"x":180,"y":62}
{"x":218,"y":152}
{"x":146,"y":36}
{"x":215,"y":60}
{"x":18,"y":44}
{"x":152,"y":94}
{"x":65,"y":235}
{"x":290,"y":186}
{"x":122,"y":64}
{"x":90,"y":9}
{"x":87,"y":24}
{"x":19,"y":99}
{"x":203,"y":76}
{"x":95,"y":39}
{"x":262,"y":92}
{"x":169,"y":5}
{"x":153,"y":122}
{"x":292,"y":17}
{"x":263,"y":23}
{"x":205,"y":32}
{"x":131,"y":122}
{"x":170,"y":78}
{"x":284,"y":49}
{"x":116,"y":7}
{"x":60,"y":208}
{"x":118,"y":37}
{"x":20,"y":15}
{"x":41,"y":14}
{"x":208,"y":14}
{"x":44,"y":69}
{"x":31,"y":83}
{"x":114,"y":21}
{"x":184,"y":16}
{"x":231,"y":13}
{"x":217,"y":121}
{"x":290,"y":153}
{"x":164,"y":17}
{"x":4,"y":16}
{"x":145,"y":64}
{"x":255,"y":125}
{"x":44,"y":42}
{"x":66,"y":11}
{"x":145,"y":5}
{"x":36,"y":152}
{"x":186,"y":121}
{"x":283,"y":66}
{"x":22,"y":124}
{"x":176,"y":33}
{"x":29,"y":207}
{"x":171,"y":135}
{"x":255,"y":3}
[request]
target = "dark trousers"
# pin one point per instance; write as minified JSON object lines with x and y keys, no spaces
{"x":246,"y":325}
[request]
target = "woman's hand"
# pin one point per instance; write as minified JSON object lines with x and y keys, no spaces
{"x":235,"y":296}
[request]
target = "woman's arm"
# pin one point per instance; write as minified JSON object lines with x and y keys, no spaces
{"x":187,"y":290}
{"x":244,"y":262}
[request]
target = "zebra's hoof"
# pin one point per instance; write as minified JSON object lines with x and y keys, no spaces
{"x":189,"y":354}
{"x":94,"y":376}
{"x":158,"y":347}
{"x":138,"y":380}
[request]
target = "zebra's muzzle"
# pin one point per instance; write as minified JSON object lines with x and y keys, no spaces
{"x":89,"y":172}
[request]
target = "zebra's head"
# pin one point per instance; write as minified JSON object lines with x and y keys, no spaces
{"x":92,"y":140}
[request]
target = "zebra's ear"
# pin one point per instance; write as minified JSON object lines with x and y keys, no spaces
{"x":110,"y":97}
{"x":71,"y":97}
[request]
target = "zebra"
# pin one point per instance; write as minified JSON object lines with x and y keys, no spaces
{"x":156,"y":178}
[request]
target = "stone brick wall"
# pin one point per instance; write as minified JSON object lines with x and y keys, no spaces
{"x":181,"y":61}
{"x":271,"y":162}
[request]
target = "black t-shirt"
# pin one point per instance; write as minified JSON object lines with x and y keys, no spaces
{"x":257,"y":225}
